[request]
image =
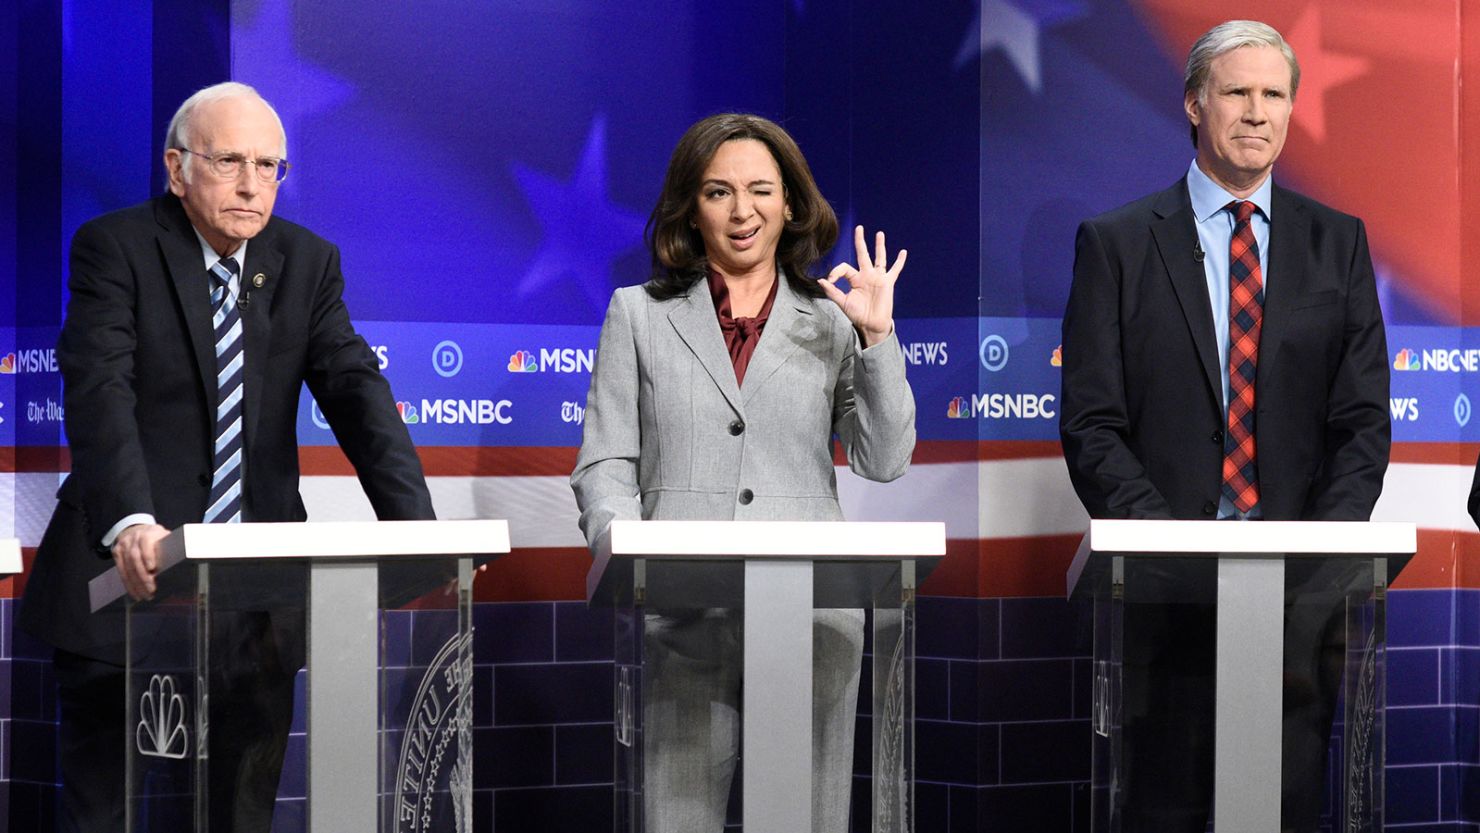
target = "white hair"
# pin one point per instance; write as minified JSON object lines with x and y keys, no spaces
{"x":178,"y":136}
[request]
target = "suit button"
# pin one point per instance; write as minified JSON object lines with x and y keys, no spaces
{"x":737,"y":428}
{"x":204,"y":480}
{"x":1217,"y":438}
{"x":1210,"y":508}
{"x":746,"y":496}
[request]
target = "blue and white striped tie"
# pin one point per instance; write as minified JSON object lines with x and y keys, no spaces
{"x":225,"y":503}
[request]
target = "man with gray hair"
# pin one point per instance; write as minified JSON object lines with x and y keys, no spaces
{"x":1220,"y":311}
{"x":194,"y":322}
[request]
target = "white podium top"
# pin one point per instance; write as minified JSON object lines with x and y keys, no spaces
{"x":1253,"y":538}
{"x":364,"y":540}
{"x":799,"y":540}
{"x":10,"y":556}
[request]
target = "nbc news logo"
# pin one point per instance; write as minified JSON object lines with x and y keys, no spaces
{"x":1439,"y":359}
{"x":960,"y":408}
{"x":1407,"y":360}
{"x":523,"y":361}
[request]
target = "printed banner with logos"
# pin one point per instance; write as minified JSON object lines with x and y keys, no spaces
{"x":478,"y":384}
{"x":525,"y":384}
{"x":518,"y":384}
{"x":1435,"y":383}
{"x":31,"y":410}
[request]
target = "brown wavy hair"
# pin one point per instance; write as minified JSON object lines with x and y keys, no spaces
{"x":678,"y":249}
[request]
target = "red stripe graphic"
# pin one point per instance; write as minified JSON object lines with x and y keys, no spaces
{"x":492,"y":461}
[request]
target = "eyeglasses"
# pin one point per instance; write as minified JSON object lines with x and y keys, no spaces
{"x":229,"y":165}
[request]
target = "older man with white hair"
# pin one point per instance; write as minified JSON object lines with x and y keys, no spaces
{"x":1224,"y":358}
{"x":195,"y":320}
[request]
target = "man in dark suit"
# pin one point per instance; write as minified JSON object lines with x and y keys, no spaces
{"x":194,"y":321}
{"x":1224,"y":288}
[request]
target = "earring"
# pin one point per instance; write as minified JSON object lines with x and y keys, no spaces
{"x":788,"y":214}
{"x":693,"y":225}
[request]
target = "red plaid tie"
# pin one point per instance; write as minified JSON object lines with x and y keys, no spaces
{"x":1245,"y":318}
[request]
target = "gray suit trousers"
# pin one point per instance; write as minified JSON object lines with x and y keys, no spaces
{"x":692,"y":712}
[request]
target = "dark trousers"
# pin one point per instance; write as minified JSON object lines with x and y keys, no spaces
{"x":251,"y":707}
{"x":1168,"y":695}
{"x":90,"y":747}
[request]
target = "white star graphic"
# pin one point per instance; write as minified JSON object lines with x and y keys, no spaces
{"x":1018,"y":32}
{"x":999,"y":24}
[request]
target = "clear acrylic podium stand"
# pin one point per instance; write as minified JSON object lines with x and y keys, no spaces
{"x":772,"y":575}
{"x":1253,"y":572}
{"x":379,"y":613}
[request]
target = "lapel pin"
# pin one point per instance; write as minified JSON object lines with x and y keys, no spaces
{"x":259,"y":279}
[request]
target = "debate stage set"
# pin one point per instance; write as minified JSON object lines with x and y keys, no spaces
{"x":486,"y":170}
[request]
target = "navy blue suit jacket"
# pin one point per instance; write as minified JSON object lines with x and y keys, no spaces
{"x":138,"y":366}
{"x":1141,"y":418}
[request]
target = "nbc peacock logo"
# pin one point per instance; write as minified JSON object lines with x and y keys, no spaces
{"x":960,"y":408}
{"x":1406,"y":360}
{"x":1057,"y":359}
{"x":161,"y":732}
{"x":7,"y":364}
{"x":523,"y":361}
{"x":408,"y":413}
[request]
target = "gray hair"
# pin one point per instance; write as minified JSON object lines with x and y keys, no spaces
{"x":1224,"y":38}
{"x":176,"y":136}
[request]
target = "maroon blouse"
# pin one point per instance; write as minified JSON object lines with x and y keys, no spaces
{"x":741,"y":334}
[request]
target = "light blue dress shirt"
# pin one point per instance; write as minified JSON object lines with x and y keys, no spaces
{"x":1214,"y":235}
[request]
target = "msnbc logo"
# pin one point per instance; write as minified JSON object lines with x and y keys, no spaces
{"x":522,"y":361}
{"x":408,"y":413}
{"x":1406,"y":360}
{"x":1057,"y":359}
{"x":7,"y":364}
{"x":960,"y":408}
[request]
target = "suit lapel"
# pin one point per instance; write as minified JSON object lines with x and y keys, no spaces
{"x":264,"y":262}
{"x":789,"y":324}
{"x":1287,"y":229}
{"x":694,"y":319}
{"x":182,"y":256}
{"x":1176,"y":239}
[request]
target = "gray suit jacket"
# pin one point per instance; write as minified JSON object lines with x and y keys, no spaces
{"x":669,"y":435}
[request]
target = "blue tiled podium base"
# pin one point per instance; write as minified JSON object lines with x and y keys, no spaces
{"x":1002,"y":709}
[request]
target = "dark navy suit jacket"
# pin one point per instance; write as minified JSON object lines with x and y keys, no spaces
{"x":137,"y":357}
{"x":1142,"y":419}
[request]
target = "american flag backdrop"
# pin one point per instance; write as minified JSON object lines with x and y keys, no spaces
{"x":487,"y":168}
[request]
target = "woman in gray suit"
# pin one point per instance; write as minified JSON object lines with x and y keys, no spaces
{"x":718,"y":388}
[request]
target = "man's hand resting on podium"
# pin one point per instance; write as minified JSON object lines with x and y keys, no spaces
{"x":136,"y":554}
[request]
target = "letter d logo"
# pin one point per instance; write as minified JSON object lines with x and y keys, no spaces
{"x":994,"y":353}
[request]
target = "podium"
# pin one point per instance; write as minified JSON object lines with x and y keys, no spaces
{"x":1264,"y":578}
{"x":776,"y":573}
{"x":379,"y":613}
